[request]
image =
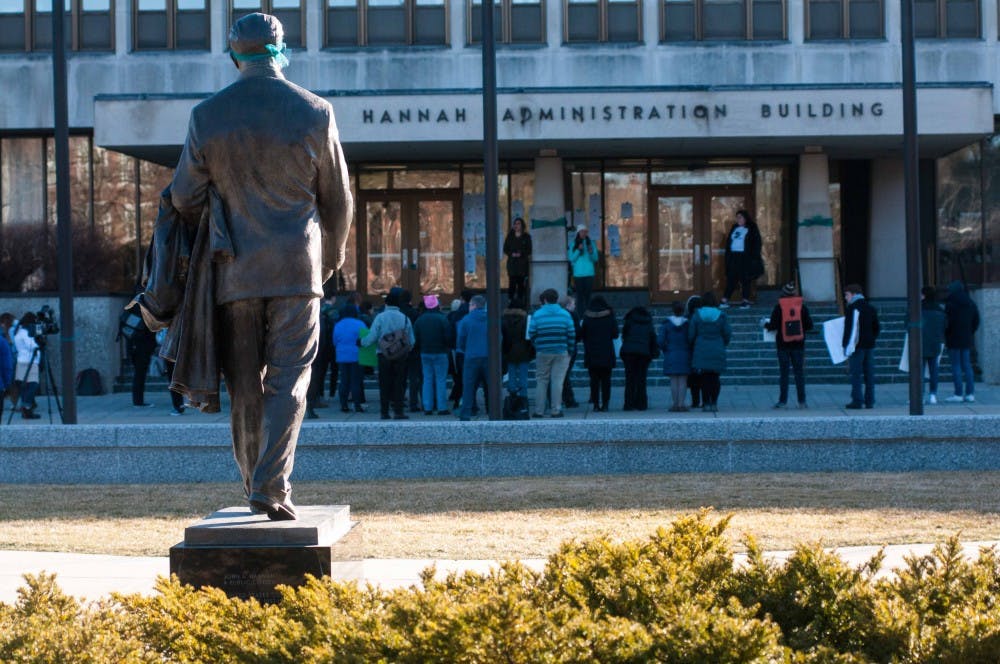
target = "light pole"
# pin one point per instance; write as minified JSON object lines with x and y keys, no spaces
{"x":911,"y":189}
{"x":64,"y":224}
{"x":494,"y":377}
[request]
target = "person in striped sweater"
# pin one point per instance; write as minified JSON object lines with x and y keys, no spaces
{"x":553,"y":333}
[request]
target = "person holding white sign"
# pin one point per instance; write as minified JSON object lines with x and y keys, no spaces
{"x":861,"y":328}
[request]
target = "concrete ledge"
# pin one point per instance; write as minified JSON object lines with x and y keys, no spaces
{"x":162,"y":453}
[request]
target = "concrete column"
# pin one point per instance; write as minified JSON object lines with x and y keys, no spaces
{"x":988,"y":345}
{"x":815,"y":230}
{"x":887,"y":232}
{"x":549,"y":268}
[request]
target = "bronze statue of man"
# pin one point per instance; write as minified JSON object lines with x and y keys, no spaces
{"x":271,"y":151}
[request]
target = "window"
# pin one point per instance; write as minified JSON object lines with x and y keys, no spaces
{"x":845,"y":19}
{"x":514,"y":21}
{"x":26,"y":25}
{"x":289,"y":12}
{"x":171,"y":24}
{"x":603,"y":21}
{"x":703,"y":20}
{"x":386,"y":23}
{"x":955,"y":19}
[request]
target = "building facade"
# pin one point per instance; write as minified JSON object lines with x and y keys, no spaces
{"x":649,"y":121}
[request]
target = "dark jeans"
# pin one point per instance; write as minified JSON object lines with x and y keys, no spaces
{"x":351,"y":383}
{"x":795,"y":359}
{"x":140,"y":367}
{"x":473,"y":375}
{"x":961,"y":367}
{"x":932,"y":372}
{"x":862,"y":366}
{"x":600,"y":385}
{"x":391,"y":384}
{"x":415,"y":380}
{"x":738,"y":272}
{"x":456,"y":379}
{"x":317,"y":372}
{"x":568,"y":398}
{"x":584,"y":287}
{"x":710,"y":388}
{"x":636,"y":370}
{"x":518,"y":288}
{"x":694,"y":384}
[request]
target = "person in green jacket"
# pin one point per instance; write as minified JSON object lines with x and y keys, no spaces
{"x":582,"y":259}
{"x":709,"y":333}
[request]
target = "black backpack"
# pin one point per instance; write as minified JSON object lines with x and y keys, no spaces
{"x":515,"y":407}
{"x":88,"y":383}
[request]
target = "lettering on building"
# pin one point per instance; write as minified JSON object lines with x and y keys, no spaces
{"x":841,"y":110}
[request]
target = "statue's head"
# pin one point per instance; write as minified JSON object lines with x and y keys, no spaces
{"x":257,"y":37}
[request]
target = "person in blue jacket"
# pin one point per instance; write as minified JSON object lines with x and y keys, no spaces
{"x":582,"y":259}
{"x":673,"y":341}
{"x":709,"y":333}
{"x":345,"y":340}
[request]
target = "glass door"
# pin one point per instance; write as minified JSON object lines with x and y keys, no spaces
{"x":689,"y":228}
{"x":409,"y":242}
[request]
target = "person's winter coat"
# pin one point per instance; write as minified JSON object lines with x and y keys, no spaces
{"x":709,"y":333}
{"x":6,"y":365}
{"x":638,"y":334}
{"x":752,"y":247}
{"x":673,"y":341}
{"x":932,"y":326}
{"x":582,"y":258}
{"x":963,"y":317}
{"x":346,"y":333}
{"x":517,"y":266}
{"x":868,"y":325}
{"x":516,"y":348}
{"x":433,"y":332}
{"x":472,"y":335}
{"x":600,"y":329}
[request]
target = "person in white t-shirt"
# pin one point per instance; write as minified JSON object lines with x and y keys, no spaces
{"x":743,"y":259}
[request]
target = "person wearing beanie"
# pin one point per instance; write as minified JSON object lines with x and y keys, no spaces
{"x":435,"y":341}
{"x":932,"y":325}
{"x":790,"y":320}
{"x":271,"y":151}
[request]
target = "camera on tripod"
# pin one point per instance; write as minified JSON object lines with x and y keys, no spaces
{"x":45,"y":324}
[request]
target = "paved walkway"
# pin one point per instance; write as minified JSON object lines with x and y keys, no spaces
{"x":734,"y":401}
{"x":91,"y":577}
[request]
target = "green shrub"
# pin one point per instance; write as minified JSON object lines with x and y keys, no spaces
{"x":676,"y":597}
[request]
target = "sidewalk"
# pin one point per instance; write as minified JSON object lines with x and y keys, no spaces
{"x":91,"y":577}
{"x":734,"y":401}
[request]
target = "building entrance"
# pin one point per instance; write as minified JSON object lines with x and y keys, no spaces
{"x":409,"y":241}
{"x":689,"y":225}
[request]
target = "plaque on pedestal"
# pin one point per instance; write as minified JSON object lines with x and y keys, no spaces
{"x":248,"y":555}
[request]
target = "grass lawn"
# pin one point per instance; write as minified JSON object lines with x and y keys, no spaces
{"x":527,"y":517}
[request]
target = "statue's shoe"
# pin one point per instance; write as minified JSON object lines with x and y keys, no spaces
{"x":275,"y":511}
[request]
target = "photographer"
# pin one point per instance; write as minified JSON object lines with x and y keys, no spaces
{"x":28,"y":360}
{"x":582,"y":259}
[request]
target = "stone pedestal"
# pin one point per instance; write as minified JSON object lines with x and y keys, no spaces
{"x":247,"y":555}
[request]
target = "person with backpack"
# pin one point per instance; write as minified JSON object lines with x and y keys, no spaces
{"x":790,"y":320}
{"x":392,"y":335}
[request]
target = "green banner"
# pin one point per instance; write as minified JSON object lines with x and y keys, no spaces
{"x":817,"y":221}
{"x":548,"y":223}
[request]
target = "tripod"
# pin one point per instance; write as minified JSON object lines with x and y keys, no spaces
{"x":45,"y":381}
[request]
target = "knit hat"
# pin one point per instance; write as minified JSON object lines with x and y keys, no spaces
{"x":258,"y":36}
{"x":788,"y":289}
{"x":431,"y":301}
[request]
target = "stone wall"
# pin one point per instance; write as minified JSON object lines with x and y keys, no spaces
{"x":96,"y":320}
{"x":987,"y":342}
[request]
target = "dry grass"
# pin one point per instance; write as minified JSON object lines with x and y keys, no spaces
{"x":528,"y":517}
